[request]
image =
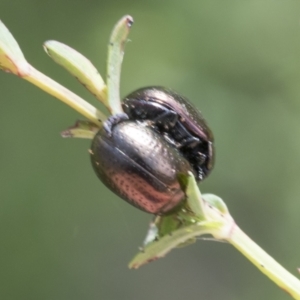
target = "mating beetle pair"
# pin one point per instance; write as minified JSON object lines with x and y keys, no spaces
{"x":142,"y":154}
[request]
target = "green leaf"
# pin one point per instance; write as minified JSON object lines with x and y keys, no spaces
{"x":216,"y":202}
{"x":81,"y":129}
{"x":161,"y":247}
{"x":11,"y":56}
{"x":194,"y":197}
{"x":114,"y":62}
{"x":80,"y":67}
{"x":12,"y":60}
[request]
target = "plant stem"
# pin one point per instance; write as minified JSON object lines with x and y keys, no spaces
{"x":60,"y":92}
{"x":265,"y":263}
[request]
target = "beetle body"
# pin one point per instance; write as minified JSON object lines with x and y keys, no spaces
{"x":181,"y":124}
{"x":139,"y":165}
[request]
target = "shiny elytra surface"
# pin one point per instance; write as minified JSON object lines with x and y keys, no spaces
{"x":189,"y":115}
{"x":137,"y":164}
{"x":144,"y":101}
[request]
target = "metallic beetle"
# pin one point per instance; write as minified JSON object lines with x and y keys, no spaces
{"x":143,"y":154}
{"x":178,"y":121}
{"x":140,"y":166}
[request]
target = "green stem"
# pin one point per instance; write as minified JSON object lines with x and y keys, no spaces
{"x":265,"y":263}
{"x":60,"y":92}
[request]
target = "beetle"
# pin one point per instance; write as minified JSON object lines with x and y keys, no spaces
{"x":178,"y":121}
{"x":143,"y":154}
{"x":139,"y":165}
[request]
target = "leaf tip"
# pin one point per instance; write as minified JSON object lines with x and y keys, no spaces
{"x":129,"y":21}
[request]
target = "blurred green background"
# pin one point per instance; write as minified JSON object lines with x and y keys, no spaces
{"x":64,"y":235}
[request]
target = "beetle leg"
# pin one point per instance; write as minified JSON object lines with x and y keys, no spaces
{"x":200,"y":157}
{"x":170,"y":140}
{"x":167,"y":119}
{"x":190,"y":142}
{"x":184,"y":137}
{"x":112,"y":121}
{"x":200,"y":174}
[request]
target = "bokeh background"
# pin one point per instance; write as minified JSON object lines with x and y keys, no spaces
{"x":64,"y":235}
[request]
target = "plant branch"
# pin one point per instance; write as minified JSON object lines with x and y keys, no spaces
{"x":208,"y":214}
{"x":265,"y":263}
{"x":60,"y":92}
{"x":13,"y":61}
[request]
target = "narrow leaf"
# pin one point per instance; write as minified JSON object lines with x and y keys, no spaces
{"x":12,"y":60}
{"x":81,"y":129}
{"x":216,"y":202}
{"x":11,"y":56}
{"x":160,"y":248}
{"x":115,"y":57}
{"x":194,"y":197}
{"x":79,"y":66}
